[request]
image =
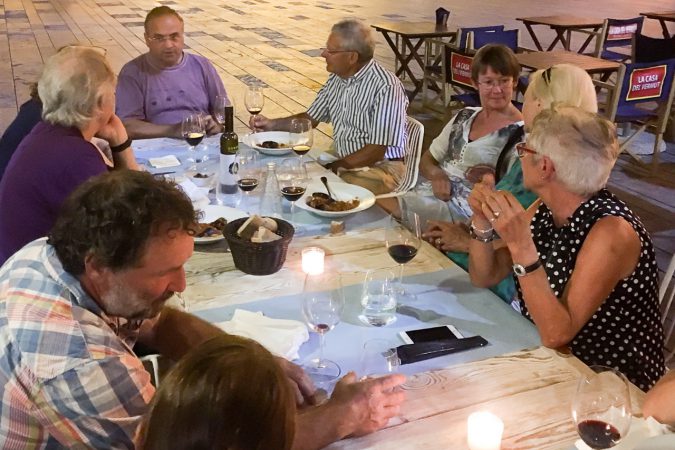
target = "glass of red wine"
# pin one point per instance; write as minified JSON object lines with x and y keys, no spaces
{"x":254,"y":99}
{"x":292,"y":179}
{"x":322,"y":305}
{"x":403,"y":239}
{"x":601,"y":407}
{"x":193,"y":131}
{"x":248,"y":171}
{"x":301,"y":137}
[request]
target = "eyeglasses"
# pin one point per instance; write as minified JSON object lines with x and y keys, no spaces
{"x":522,"y":148}
{"x":503,"y":83}
{"x":173,"y":37}
{"x":332,"y":52}
{"x":546,"y":75}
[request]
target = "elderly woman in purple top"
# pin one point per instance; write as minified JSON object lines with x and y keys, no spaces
{"x":77,"y":89}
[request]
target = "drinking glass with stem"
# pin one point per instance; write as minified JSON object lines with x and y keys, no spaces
{"x":248,"y":172}
{"x":254,"y":99}
{"x":219,"y":109}
{"x":403,"y":239}
{"x":193,"y":131}
{"x":601,"y":407}
{"x":301,"y":136}
{"x":322,"y":305}
{"x":292,"y":178}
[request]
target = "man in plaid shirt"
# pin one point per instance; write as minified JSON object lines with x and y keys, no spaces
{"x":73,"y":306}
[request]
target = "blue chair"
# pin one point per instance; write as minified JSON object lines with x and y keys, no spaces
{"x":618,"y":34}
{"x":463,"y":34}
{"x":649,"y":49}
{"x":639,"y":87}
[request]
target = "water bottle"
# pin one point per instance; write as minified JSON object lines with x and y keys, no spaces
{"x":229,"y":144}
{"x":270,"y":202}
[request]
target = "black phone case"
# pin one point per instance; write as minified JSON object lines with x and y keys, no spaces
{"x":411,"y":353}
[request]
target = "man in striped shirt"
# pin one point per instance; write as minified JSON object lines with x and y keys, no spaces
{"x":72,"y":308}
{"x":366,"y":105}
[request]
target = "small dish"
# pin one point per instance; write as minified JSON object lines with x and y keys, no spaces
{"x":202,"y":178}
{"x":255,"y":140}
{"x":213,"y":212}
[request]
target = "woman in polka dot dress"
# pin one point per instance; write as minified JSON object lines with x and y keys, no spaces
{"x":584,"y":265}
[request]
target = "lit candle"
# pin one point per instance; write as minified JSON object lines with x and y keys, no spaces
{"x":312,"y":260}
{"x":484,"y":431}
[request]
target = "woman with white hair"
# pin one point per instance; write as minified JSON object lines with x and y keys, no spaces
{"x":77,"y":89}
{"x":583,"y":264}
{"x":562,"y":83}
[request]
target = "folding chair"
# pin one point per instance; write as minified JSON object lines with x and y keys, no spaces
{"x":649,"y":49}
{"x":639,"y":87}
{"x":481,"y":38}
{"x":618,"y":34}
{"x":667,"y":292}
{"x":413,"y":153}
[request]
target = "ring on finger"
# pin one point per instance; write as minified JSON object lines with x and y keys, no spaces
{"x":438,"y":241}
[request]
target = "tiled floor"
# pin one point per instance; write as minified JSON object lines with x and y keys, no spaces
{"x":277,"y":42}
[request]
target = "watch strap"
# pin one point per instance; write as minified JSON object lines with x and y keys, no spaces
{"x":521,"y":270}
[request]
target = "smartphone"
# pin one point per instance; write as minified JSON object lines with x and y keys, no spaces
{"x":430,"y":334}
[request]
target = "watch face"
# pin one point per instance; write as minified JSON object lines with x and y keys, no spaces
{"x":519,"y":270}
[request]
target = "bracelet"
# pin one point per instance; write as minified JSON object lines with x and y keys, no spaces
{"x":479,"y":231}
{"x":484,"y":238}
{"x":120,"y":148}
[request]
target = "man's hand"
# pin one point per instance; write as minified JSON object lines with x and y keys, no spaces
{"x":370,"y":403}
{"x":441,"y":186}
{"x":113,"y":131}
{"x":258,"y":122}
{"x":211,"y":126}
{"x":300,"y":382}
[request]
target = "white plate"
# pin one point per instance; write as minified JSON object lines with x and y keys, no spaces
{"x":341,"y":191}
{"x":213,"y":212}
{"x":255,"y":139}
{"x":664,"y":442}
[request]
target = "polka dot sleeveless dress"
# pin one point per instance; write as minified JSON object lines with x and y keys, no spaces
{"x":625,"y":332}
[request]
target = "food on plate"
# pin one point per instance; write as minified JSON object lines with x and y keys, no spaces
{"x":201,"y":175}
{"x":273,"y":144}
{"x":324,"y":204}
{"x":212,"y":229}
{"x":259,"y":229}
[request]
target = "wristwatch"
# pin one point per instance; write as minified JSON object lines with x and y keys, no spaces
{"x":521,"y":270}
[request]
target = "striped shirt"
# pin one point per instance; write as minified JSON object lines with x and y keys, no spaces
{"x":68,"y":376}
{"x":367,"y":108}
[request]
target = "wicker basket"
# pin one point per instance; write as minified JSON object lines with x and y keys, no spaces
{"x":258,"y":259}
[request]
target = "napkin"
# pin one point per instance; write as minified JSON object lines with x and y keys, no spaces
{"x":164,"y":161}
{"x":281,"y":337}
{"x":640,"y":430}
{"x":198,"y":195}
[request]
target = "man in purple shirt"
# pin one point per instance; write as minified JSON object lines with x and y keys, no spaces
{"x":157,"y":89}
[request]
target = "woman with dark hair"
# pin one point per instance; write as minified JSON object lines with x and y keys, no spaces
{"x":470,"y":145}
{"x":29,"y":115}
{"x":228,"y":393}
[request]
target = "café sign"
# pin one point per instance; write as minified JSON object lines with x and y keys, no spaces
{"x":646,"y":83}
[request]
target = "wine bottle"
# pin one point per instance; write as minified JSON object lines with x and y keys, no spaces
{"x":229,"y":145}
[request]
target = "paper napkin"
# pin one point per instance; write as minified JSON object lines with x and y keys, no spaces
{"x":164,"y":162}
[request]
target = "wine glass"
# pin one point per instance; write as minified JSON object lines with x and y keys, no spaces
{"x":254,"y":99}
{"x":379,"y":358}
{"x":219,"y":109}
{"x":292,"y":178}
{"x":601,"y":407}
{"x":247,"y":170}
{"x":378,"y":298}
{"x":403,"y":239}
{"x":322,"y":305}
{"x":193,"y":131}
{"x":300,"y":136}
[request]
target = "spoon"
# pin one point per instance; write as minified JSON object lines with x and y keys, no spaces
{"x":324,"y":180}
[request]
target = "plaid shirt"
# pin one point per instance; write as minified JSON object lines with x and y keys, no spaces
{"x":68,"y":376}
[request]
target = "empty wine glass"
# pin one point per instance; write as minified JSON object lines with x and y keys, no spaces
{"x":219,"y":109}
{"x":378,"y":298}
{"x":322,"y":305}
{"x":292,"y":178}
{"x":248,"y":171}
{"x":300,"y":136}
{"x":403,"y":239}
{"x":254,"y":99}
{"x":601,"y":407}
{"x":193,"y":131}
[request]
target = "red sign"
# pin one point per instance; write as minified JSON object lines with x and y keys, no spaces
{"x":646,"y":83}
{"x":460,"y":69}
{"x":619,"y":32}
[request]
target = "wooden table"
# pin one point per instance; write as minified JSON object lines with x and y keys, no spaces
{"x":662,"y":17}
{"x":408,"y":38}
{"x":563,"y":25}
{"x":544,"y":60}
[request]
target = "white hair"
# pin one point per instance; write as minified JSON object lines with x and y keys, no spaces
{"x":72,"y":85}
{"x":582,"y":145}
{"x":356,"y":36}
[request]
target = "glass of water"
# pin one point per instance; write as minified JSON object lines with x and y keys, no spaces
{"x":378,"y":298}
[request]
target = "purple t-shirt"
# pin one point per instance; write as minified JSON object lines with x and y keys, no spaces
{"x":165,"y":96}
{"x":48,"y":165}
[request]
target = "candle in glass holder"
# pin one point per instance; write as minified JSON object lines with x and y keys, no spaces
{"x":312,"y":260}
{"x":484,"y":431}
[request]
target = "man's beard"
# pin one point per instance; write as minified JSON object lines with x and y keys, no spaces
{"x":122,"y":301}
